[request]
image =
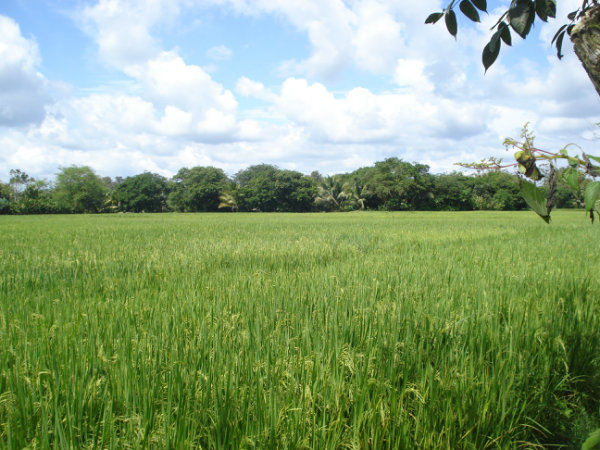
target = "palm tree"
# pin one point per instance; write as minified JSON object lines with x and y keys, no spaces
{"x":112,"y":201}
{"x":356,"y":192}
{"x":331,"y":192}
{"x":230,"y":197}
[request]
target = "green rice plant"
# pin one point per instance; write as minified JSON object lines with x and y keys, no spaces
{"x":363,"y":330}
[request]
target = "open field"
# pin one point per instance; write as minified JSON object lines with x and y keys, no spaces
{"x":357,"y":330}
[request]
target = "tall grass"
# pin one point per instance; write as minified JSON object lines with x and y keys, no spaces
{"x":358,"y":330}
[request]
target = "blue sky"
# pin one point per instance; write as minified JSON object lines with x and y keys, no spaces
{"x":127,"y":86}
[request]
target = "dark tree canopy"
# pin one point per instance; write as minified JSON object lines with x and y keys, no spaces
{"x":197,"y":189}
{"x":79,"y":190}
{"x":391,"y":184}
{"x":266,"y":188}
{"x":257,"y":188}
{"x":146,"y":192}
{"x":394,"y":184}
{"x":294,"y":191}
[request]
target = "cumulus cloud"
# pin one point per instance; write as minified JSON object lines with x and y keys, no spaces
{"x":368,"y":34}
{"x":123,"y":29}
{"x":378,"y":38}
{"x":432,"y":103}
{"x":250,"y":88}
{"x":23,"y":90}
{"x":189,"y":96}
{"x":362,"y":116}
{"x":167,"y":79}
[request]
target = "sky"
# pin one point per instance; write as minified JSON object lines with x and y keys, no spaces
{"x":127,"y":86}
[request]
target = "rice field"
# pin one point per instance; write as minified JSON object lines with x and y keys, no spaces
{"x":323,"y":331}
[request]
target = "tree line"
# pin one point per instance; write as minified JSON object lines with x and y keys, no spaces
{"x":390,"y":185}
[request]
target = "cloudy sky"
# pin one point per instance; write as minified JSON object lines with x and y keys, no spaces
{"x":127,"y":86}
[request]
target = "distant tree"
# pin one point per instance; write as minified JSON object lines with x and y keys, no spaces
{"x":567,"y":195}
{"x":79,"y":190}
{"x":37,"y":199}
{"x":26,"y":195}
{"x":146,"y":192}
{"x":257,"y":188}
{"x":197,"y":189}
{"x":453,"y":192}
{"x":316,"y":176}
{"x":5,"y":196}
{"x":355,"y":194}
{"x":394,"y":184}
{"x":230,"y":197}
{"x":497,"y":190}
{"x":5,"y":191}
{"x":331,"y":193}
{"x":19,"y":181}
{"x":266,"y":188}
{"x":295,"y":191}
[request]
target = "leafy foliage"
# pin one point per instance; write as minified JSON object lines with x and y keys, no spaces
{"x":266,"y":188}
{"x":79,"y":190}
{"x":520,"y":17}
{"x":592,"y":442}
{"x":578,"y":175}
{"x":331,"y":193}
{"x":197,"y":189}
{"x":395,"y":185}
{"x":391,"y":184}
{"x":230,"y":198}
{"x":146,"y":192}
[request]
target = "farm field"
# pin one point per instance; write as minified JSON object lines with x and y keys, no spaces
{"x":327,"y":331}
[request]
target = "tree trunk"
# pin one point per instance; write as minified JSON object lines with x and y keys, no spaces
{"x":586,"y":42}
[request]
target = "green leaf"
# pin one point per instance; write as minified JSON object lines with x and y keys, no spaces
{"x":572,"y":177}
{"x":541,"y":8}
{"x":480,"y":4}
{"x":592,"y":441}
{"x":505,"y":33}
{"x":521,"y":16}
{"x":535,"y":199}
{"x":469,"y":10}
{"x":559,"y":42}
{"x":595,"y":158}
{"x":491,"y":51}
{"x":592,"y":192}
{"x":451,"y":23}
{"x":533,"y":172}
{"x":434,"y":17}
{"x":551,"y":8}
{"x":560,"y":30}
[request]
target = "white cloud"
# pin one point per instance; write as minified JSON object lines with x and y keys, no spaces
{"x":249,"y":88}
{"x":23,"y":90}
{"x":368,"y":34}
{"x":193,"y":103}
{"x":377,"y":40}
{"x":175,"y":121}
{"x":123,"y":29}
{"x":433,"y":104}
{"x":362,"y":116}
{"x":168,"y":80}
{"x":410,"y":74}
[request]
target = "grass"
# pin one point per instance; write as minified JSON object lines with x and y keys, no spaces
{"x":358,"y":330}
